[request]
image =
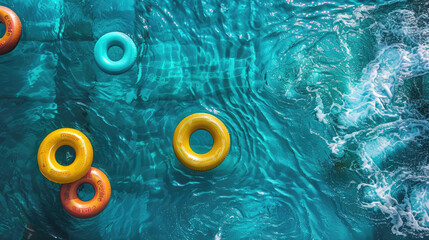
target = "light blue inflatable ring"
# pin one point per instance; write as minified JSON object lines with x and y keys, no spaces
{"x":115,"y":39}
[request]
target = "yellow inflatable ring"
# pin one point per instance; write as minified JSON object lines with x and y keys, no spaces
{"x":49,"y":166}
{"x":183,"y":151}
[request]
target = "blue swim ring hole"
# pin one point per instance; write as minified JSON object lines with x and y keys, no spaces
{"x":115,"y":53}
{"x":108,"y":45}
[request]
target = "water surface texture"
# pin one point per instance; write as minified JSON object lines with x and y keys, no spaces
{"x":326,"y":103}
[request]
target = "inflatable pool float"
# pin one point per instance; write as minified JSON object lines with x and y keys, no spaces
{"x":86,"y":209}
{"x":13,"y":30}
{"x":115,"y":39}
{"x":49,"y":166}
{"x":206,"y":161}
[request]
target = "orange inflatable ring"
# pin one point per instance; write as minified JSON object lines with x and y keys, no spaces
{"x":13,"y":30}
{"x":86,"y":209}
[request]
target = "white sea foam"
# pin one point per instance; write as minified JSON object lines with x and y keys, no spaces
{"x":378,"y":120}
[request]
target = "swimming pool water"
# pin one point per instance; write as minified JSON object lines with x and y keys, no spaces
{"x":326,"y":103}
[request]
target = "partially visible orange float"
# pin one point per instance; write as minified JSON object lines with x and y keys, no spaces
{"x":86,"y":209}
{"x":13,"y":30}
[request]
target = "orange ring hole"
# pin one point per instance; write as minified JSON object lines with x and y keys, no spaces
{"x":86,"y":209}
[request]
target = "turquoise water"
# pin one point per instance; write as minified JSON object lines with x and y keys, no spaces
{"x":326,"y":103}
